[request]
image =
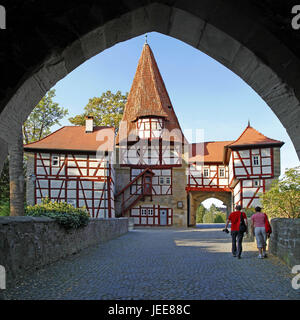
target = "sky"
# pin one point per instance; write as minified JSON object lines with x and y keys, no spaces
{"x":204,"y":93}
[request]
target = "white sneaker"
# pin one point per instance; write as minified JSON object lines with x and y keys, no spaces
{"x":260,"y":256}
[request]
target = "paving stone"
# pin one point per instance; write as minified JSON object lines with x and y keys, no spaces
{"x":161,"y":264}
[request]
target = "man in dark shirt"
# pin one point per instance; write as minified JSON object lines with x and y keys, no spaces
{"x":235,"y":219}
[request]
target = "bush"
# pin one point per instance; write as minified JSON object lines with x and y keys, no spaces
{"x":62,"y":212}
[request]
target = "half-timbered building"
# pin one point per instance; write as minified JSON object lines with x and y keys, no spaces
{"x":74,"y":164}
{"x":149,"y":171}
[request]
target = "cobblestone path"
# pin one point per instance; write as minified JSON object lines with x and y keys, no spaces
{"x":161,"y":264}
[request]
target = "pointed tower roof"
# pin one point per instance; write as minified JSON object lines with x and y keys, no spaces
{"x":252,"y":137}
{"x":148,"y":95}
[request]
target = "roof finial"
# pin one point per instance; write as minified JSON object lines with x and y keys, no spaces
{"x":248,"y":122}
{"x":146,"y":38}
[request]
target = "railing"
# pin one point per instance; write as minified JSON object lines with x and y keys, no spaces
{"x":128,"y":202}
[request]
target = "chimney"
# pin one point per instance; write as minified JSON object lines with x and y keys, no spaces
{"x":89,"y":124}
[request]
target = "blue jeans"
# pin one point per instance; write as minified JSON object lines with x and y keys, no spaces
{"x":237,"y":237}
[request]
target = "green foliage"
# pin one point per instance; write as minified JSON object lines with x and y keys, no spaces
{"x":45,"y":115}
{"x":208,"y":217}
{"x":107,"y":110}
{"x":63,"y":213}
{"x":220,"y":217}
{"x":249,"y":212}
{"x":4,"y":208}
{"x":4,"y":182}
{"x":283,"y":198}
{"x":211,"y":215}
{"x":201,"y":210}
{"x":213,"y":209}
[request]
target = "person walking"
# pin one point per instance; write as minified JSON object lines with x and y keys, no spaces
{"x":237,"y":231}
{"x":258,"y":228}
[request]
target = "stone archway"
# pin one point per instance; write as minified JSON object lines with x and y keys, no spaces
{"x":197,"y":197}
{"x":243,"y":37}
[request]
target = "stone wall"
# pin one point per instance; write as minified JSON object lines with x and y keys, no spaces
{"x":28,"y":243}
{"x":285,"y":240}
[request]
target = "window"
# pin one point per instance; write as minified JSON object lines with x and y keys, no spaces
{"x":55,"y":161}
{"x":144,"y":212}
{"x":221,"y":172}
{"x":154,"y":125}
{"x":255,"y":160}
{"x":256,"y":183}
{"x":206,"y":172}
{"x":165,"y":181}
{"x":150,"y":212}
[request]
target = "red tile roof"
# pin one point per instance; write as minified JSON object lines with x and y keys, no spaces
{"x":212,"y":151}
{"x":216,"y":151}
{"x":74,"y":138}
{"x":251,"y":137}
{"x":148,"y":95}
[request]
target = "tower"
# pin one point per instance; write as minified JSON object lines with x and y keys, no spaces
{"x":150,"y":147}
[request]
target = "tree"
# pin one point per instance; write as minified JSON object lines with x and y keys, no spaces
{"x":45,"y":115}
{"x":201,"y":210}
{"x":16,"y":174}
{"x":213,"y":209}
{"x":107,"y":110}
{"x":220,"y":217}
{"x":208,"y":217}
{"x":4,"y":182}
{"x":283,"y":198}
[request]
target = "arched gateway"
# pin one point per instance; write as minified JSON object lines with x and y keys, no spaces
{"x":158,"y":177}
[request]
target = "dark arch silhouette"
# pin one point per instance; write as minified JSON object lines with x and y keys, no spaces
{"x":41,"y":45}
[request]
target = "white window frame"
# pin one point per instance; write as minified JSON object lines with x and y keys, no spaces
{"x":161,"y":180}
{"x":254,"y":158}
{"x":256,"y":181}
{"x":222,"y":175}
{"x":55,"y":158}
{"x":168,"y":181}
{"x":144,"y":211}
{"x":204,"y":170}
{"x":150,"y":212}
{"x":154,"y":125}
